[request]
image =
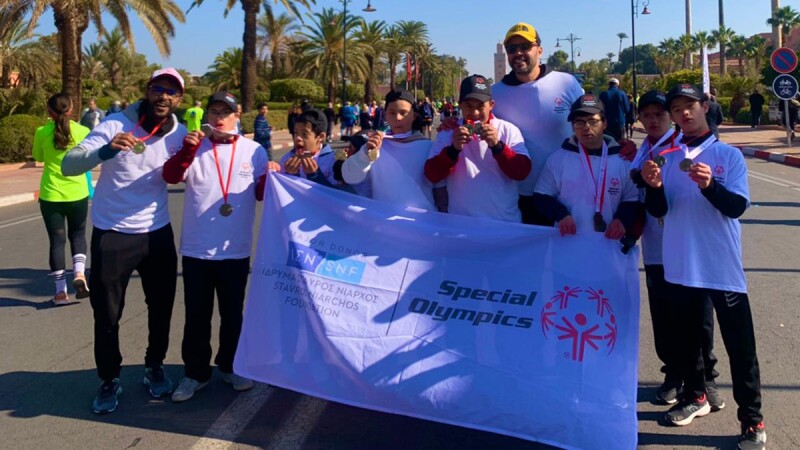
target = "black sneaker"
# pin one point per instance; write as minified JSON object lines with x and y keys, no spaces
{"x":686,"y":410}
{"x":753,"y":438}
{"x":157,"y":382}
{"x":667,"y":393}
{"x":714,"y":397}
{"x":107,"y":397}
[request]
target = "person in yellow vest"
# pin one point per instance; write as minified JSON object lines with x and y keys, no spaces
{"x":194,"y":117}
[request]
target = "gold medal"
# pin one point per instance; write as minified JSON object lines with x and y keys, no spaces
{"x":139,"y":148}
{"x":686,"y":164}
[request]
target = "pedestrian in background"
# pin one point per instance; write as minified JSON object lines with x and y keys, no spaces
{"x":616,"y":105}
{"x":330,"y":116}
{"x":63,"y":200}
{"x":630,"y":117}
{"x":193,"y":117}
{"x":262,"y":130}
{"x":756,"y":108}
{"x":92,"y":115}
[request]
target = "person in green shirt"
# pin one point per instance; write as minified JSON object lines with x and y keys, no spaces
{"x":63,"y":201}
{"x":194,"y":117}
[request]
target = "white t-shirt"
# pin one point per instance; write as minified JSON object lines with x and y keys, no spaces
{"x":207,"y":234}
{"x":477,"y":186}
{"x":131,"y":196}
{"x":702,"y":247}
{"x":397,"y":176}
{"x":566,"y":178}
{"x":324,"y":159}
{"x":539,"y":109}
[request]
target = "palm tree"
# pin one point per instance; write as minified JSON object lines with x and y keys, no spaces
{"x":249,"y":60}
{"x":226,"y":70}
{"x":610,"y":57}
{"x":113,"y":51}
{"x":72,"y":18}
{"x":414,"y":35}
{"x":686,"y":45}
{"x":621,"y":36}
{"x":787,"y":19}
{"x":669,"y":49}
{"x":722,"y":36}
{"x":93,"y":62}
{"x":738,"y":49}
{"x":274,"y":36}
{"x":12,"y":39}
{"x":393,"y":48}
{"x":371,"y":35}
{"x":756,"y":51}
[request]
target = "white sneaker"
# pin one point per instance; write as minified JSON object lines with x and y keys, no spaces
{"x":186,"y":389}
{"x":239,"y":383}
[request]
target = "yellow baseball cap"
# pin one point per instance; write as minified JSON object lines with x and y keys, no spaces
{"x":523,"y":30}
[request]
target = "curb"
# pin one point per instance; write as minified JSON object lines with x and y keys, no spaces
{"x":779,"y":158}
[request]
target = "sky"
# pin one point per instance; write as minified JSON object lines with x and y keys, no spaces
{"x":467,"y":28}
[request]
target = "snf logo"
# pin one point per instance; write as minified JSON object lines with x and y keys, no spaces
{"x":583,"y":318}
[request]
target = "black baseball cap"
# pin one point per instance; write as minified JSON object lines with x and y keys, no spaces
{"x":399,"y":94}
{"x":314,"y":117}
{"x":684,"y":90}
{"x":475,"y":86}
{"x":586,"y":104}
{"x":358,"y":140}
{"x":653,"y":97}
{"x":225,"y":97}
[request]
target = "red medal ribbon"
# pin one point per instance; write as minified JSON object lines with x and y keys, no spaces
{"x":224,"y":188}
{"x":155,"y":129}
{"x":604,"y":164}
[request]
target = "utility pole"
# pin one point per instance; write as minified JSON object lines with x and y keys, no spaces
{"x":689,"y":31}
{"x":776,"y":30}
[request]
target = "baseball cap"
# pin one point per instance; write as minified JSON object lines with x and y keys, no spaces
{"x":168,"y":72}
{"x":523,"y":30}
{"x":475,"y":86}
{"x":684,"y":90}
{"x":224,"y":97}
{"x":613,"y":80}
{"x":399,"y":94}
{"x":653,"y":97}
{"x":586,"y":104}
{"x":358,"y":140}
{"x":314,"y":117}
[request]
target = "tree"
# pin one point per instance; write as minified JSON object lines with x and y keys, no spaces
{"x":738,"y":49}
{"x":72,"y":18}
{"x":251,"y":10}
{"x":686,"y":45}
{"x":225,"y":72}
{"x":756,"y":51}
{"x":722,"y":36}
{"x":414,"y":34}
{"x":621,"y":36}
{"x":558,"y":60}
{"x":393,"y":47}
{"x":112,"y":52}
{"x":787,"y":19}
{"x":645,"y":60}
{"x":668,"y":53}
{"x":610,"y":58}
{"x":370,"y":34}
{"x":274,"y":37}
{"x":703,"y":40}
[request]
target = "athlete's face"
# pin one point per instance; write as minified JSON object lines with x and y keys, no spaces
{"x":221,"y":117}
{"x":690,"y":114}
{"x":523,"y":55}
{"x":400,"y":116}
{"x":476,"y":110}
{"x":305,"y":140}
{"x":164,"y":95}
{"x":589,"y":130}
{"x":655,"y":119}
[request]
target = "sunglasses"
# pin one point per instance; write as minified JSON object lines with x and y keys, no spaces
{"x":513,"y":48}
{"x":159,"y":90}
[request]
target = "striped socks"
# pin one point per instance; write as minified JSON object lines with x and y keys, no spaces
{"x":79,"y":263}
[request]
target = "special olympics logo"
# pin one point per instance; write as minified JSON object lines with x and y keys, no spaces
{"x":719,"y":170}
{"x":583,"y":317}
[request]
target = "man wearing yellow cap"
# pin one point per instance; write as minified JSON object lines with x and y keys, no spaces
{"x":536,"y":99}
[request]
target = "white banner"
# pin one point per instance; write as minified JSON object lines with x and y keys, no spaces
{"x":489,"y":325}
{"x":706,"y":76}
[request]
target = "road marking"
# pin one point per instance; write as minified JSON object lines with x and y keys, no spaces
{"x":223,"y":433}
{"x":298,"y":424}
{"x":790,"y":183}
{"x":12,"y":222}
{"x":757,"y":177}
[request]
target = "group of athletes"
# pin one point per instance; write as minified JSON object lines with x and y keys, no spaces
{"x":530,"y":149}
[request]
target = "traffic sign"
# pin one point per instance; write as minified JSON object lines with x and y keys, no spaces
{"x":784,"y":60}
{"x":785,"y":87}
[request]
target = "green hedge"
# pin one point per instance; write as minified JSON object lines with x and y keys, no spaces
{"x":277,"y":118}
{"x":16,"y":136}
{"x":725,"y":103}
{"x":743,"y":117}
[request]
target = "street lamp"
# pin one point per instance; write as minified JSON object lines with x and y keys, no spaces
{"x":369,"y":8}
{"x":634,"y":15}
{"x":572,"y":38}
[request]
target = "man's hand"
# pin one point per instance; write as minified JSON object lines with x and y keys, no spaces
{"x":123,"y":142}
{"x":448,"y":124}
{"x":701,"y":174}
{"x":567,"y":226}
{"x":292,"y":165}
{"x":627,"y":150}
{"x":461,"y":137}
{"x":272,"y":166}
{"x":489,"y":134}
{"x":616,"y":230}
{"x":651,"y":174}
{"x":309,"y":165}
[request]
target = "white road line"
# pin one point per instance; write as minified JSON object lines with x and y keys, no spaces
{"x":222,"y":434}
{"x":752,"y":175}
{"x":19,"y":221}
{"x":780,"y":180}
{"x":298,"y":424}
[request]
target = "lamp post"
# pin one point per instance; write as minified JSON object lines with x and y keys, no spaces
{"x":634,"y":15}
{"x":572,"y":38}
{"x":369,"y":8}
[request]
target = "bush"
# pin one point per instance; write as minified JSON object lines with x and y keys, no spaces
{"x":725,"y":103}
{"x":197,"y":93}
{"x":295,"y":90}
{"x":277,"y":118}
{"x":694,"y":76}
{"x":744,"y":117}
{"x":261,"y":97}
{"x":16,"y":136}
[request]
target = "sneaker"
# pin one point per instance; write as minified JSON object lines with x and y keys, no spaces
{"x":107,"y":397}
{"x":753,"y":438}
{"x":715,"y":399}
{"x":667,"y":393}
{"x":239,"y":383}
{"x":80,"y":285}
{"x":186,"y":389}
{"x":61,"y":299}
{"x":686,"y":410}
{"x":157,"y":382}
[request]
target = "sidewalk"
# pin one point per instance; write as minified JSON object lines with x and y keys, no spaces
{"x":19,"y":182}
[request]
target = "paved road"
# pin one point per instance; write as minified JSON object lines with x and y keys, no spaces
{"x":47,"y":377}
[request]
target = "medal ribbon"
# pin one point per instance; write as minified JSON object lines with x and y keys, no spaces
{"x":155,"y":129}
{"x":647,"y":150}
{"x":398,"y":136}
{"x":599,"y":184}
{"x":699,"y":149}
{"x":224,"y":188}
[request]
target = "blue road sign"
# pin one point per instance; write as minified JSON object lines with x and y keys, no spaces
{"x":785,"y":87}
{"x":784,"y":60}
